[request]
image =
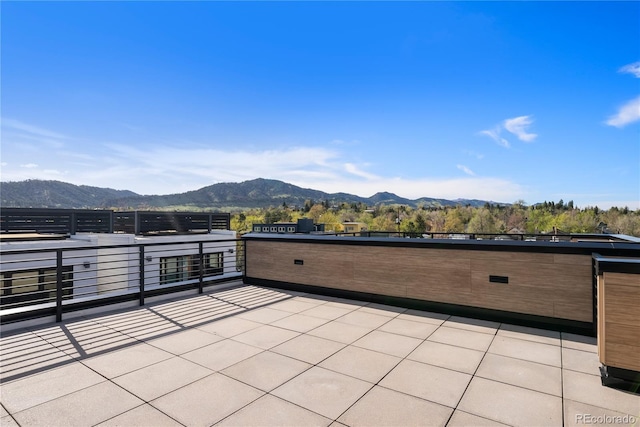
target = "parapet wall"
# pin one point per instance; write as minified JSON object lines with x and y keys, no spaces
{"x":551,"y":282}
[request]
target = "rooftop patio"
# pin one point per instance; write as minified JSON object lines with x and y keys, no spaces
{"x":248,"y":355}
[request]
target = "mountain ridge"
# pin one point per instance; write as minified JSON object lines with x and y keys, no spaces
{"x":256,"y":193}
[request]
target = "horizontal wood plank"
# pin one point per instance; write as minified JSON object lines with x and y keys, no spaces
{"x":539,"y":283}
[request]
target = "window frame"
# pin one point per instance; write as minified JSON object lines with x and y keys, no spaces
{"x":188,"y":267}
{"x":45,"y":292}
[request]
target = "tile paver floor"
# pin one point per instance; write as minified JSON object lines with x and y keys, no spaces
{"x":252,"y":356}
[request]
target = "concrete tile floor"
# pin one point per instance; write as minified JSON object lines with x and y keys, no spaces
{"x":247,"y":355}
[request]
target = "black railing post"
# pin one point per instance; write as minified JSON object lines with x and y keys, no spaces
{"x":201,"y":272}
{"x":73,"y":226}
{"x":244,"y":259}
{"x":136,"y":221}
{"x":141,"y":273}
{"x":59,"y":278}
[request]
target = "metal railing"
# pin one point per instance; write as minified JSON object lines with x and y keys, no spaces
{"x":460,"y":236}
{"x":56,"y":280}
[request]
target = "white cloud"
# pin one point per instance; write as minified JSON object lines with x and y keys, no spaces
{"x":518,"y":126}
{"x":345,"y":143}
{"x":478,"y":156}
{"x":29,"y":166}
{"x":495,"y":135}
{"x":355,"y":170}
{"x":466,"y":170}
{"x":24,"y":134}
{"x":628,"y":113}
{"x":52,"y":172}
{"x":21,"y":174}
{"x":166,"y":170}
{"x":633,"y":68}
{"x":35,"y":130}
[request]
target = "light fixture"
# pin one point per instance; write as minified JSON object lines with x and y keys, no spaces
{"x":86,"y":264}
{"x":148,"y":258}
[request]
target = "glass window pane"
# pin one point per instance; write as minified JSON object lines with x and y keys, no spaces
{"x":24,"y":281}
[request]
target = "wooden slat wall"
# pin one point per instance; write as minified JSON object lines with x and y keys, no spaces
{"x":619,"y":320}
{"x":551,"y":285}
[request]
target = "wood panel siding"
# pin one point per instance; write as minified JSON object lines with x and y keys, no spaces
{"x":619,"y":320}
{"x":543,"y":284}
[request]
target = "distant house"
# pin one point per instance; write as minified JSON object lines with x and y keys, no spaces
{"x":354,"y":227}
{"x":103,"y":251}
{"x":303,"y":225}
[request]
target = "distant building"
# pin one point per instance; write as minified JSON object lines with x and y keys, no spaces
{"x":304,"y":225}
{"x":103,"y":251}
{"x":354,"y":227}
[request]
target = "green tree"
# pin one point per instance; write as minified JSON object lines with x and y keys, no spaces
{"x":316,"y":212}
{"x":454,"y":222}
{"x":330,"y":219}
{"x":482,"y":222}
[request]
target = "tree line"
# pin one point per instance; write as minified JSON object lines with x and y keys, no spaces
{"x":491,"y":218}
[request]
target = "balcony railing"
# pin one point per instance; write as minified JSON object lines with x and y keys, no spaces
{"x":525,"y":237}
{"x":54,"y":281}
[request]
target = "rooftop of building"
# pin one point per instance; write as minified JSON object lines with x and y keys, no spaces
{"x":248,"y":355}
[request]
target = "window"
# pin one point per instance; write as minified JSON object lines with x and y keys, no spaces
{"x":173,"y":269}
{"x":257,"y":228}
{"x":212,"y":265}
{"x":280,"y":229}
{"x":20,"y":288}
{"x":291,"y":229}
{"x":185,"y":267}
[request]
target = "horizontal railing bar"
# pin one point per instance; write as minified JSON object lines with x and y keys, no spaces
{"x":128,"y":245}
{"x":104,"y":274}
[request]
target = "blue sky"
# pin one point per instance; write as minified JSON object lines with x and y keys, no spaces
{"x":498,"y":100}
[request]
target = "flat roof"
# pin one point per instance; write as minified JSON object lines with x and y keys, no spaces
{"x":250,"y":355}
{"x":19,"y":237}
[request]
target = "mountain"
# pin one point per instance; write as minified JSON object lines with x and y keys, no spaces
{"x":257,"y":193}
{"x":35,"y":193}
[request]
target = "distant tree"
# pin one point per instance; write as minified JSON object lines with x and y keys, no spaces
{"x":453,"y":222}
{"x":383,"y":223}
{"x":519,"y":204}
{"x":436,"y":220}
{"x":421,"y":224}
{"x":308,"y":204}
{"x":316,"y":211}
{"x":330,"y":220}
{"x":482,"y":222}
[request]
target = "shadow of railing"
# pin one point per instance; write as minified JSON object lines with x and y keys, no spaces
{"x":29,"y":352}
